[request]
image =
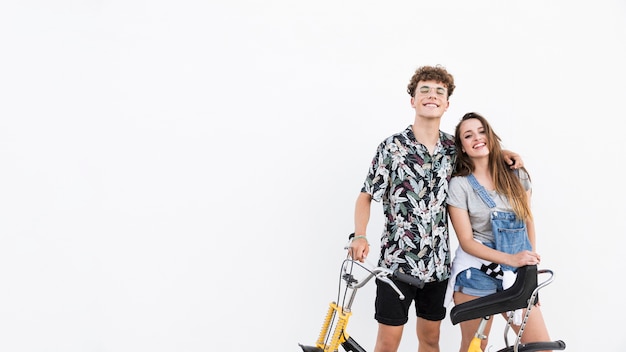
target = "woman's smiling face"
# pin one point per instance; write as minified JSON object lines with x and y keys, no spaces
{"x":474,"y":138}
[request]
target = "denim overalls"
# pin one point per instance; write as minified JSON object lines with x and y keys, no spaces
{"x":509,"y":231}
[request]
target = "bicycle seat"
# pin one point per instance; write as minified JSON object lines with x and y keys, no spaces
{"x":515,"y":297}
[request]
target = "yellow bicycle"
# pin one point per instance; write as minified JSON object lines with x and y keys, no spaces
{"x":522,"y":294}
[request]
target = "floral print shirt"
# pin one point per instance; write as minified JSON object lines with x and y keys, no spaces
{"x":413,"y":185}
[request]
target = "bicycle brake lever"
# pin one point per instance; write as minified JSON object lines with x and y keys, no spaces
{"x":384,"y":278}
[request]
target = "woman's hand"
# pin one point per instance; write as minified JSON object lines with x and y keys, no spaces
{"x":524,"y":258}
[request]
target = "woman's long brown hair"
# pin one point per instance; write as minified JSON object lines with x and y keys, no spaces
{"x":505,"y":180}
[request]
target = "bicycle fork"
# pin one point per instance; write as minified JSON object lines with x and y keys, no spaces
{"x":339,"y":335}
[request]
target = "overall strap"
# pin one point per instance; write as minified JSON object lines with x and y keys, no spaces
{"x":493,"y":269}
{"x":482,"y":192}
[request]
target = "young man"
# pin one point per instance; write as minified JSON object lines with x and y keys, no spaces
{"x":410,"y":174}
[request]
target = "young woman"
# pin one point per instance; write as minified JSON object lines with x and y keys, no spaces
{"x":479,"y":163}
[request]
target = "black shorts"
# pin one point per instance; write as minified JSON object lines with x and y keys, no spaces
{"x":429,"y":302}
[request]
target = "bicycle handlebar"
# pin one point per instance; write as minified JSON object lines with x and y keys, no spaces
{"x":386,"y":275}
{"x":408,"y":279}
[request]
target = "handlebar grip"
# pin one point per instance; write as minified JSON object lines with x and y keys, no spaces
{"x":406,"y":278}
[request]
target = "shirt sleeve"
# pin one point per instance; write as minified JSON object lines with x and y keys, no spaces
{"x":457,"y":195}
{"x":377,"y":177}
{"x":525,"y":179}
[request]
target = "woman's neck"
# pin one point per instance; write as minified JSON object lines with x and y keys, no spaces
{"x":482,"y":173}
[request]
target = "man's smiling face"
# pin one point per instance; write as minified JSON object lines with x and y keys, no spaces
{"x":431,"y":99}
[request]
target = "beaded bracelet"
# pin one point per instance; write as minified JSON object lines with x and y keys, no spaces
{"x":360,"y":236}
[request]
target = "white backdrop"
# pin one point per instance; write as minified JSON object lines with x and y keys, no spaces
{"x":181,"y":176}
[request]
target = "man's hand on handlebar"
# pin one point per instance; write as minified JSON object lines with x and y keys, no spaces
{"x":359,"y":248}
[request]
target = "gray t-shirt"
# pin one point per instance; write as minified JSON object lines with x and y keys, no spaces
{"x":462,"y":195}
